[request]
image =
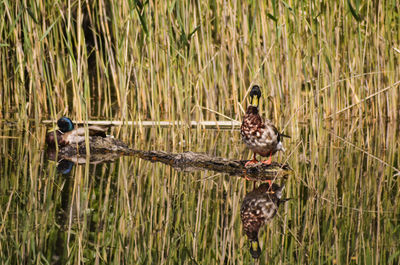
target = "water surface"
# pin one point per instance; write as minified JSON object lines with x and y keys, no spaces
{"x":344,"y":205}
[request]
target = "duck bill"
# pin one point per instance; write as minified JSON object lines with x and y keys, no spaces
{"x":55,"y":128}
{"x":255,"y":101}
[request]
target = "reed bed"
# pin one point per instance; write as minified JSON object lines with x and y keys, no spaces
{"x":128,"y":60}
{"x":329,"y":78}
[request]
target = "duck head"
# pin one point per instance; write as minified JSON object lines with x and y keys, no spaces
{"x":255,"y":95}
{"x":65,"y":124}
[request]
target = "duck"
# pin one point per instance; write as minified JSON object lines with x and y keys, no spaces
{"x":260,"y":136}
{"x":67,"y":134}
{"x":258,"y":208}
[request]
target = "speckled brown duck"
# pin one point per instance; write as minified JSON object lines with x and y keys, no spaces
{"x":259,"y":207}
{"x":260,"y":136}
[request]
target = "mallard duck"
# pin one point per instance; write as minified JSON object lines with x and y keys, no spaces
{"x":262,"y":137}
{"x":259,"y":207}
{"x":67,"y":134}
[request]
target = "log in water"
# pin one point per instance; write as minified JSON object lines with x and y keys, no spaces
{"x":191,"y":161}
{"x":108,"y":149}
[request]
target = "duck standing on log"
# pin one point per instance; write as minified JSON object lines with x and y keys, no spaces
{"x":262,"y":137}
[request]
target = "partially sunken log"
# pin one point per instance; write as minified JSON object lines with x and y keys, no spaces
{"x":108,"y":149}
{"x":97,"y":145}
{"x":102,"y":150}
{"x":190,"y":161}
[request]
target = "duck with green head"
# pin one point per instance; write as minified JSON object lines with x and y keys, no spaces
{"x":67,"y":134}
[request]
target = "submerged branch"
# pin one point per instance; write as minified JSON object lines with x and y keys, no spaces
{"x":108,"y":149}
{"x":191,"y":161}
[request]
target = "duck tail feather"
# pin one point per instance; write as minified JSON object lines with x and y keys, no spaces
{"x":285,"y":135}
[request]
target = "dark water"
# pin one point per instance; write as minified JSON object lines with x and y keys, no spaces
{"x":343,"y":207}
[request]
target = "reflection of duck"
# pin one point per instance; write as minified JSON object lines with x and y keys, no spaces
{"x":67,"y":134}
{"x":109,"y":151}
{"x":262,"y":137}
{"x":259,"y":207}
{"x":65,"y":166}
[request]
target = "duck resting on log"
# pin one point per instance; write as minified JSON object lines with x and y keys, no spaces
{"x":71,"y":140}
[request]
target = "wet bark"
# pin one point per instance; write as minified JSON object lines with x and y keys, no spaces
{"x":191,"y":161}
{"x":108,"y":149}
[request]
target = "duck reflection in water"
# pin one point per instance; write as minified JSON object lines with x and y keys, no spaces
{"x":259,"y":207}
{"x":65,"y":166}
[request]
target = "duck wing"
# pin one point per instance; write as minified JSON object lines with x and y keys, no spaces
{"x":276,"y":131}
{"x":94,"y":130}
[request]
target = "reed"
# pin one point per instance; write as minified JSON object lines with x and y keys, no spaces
{"x":126,"y":60}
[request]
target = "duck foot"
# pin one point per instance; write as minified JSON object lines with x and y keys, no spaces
{"x":251,"y":162}
{"x":269,"y":161}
